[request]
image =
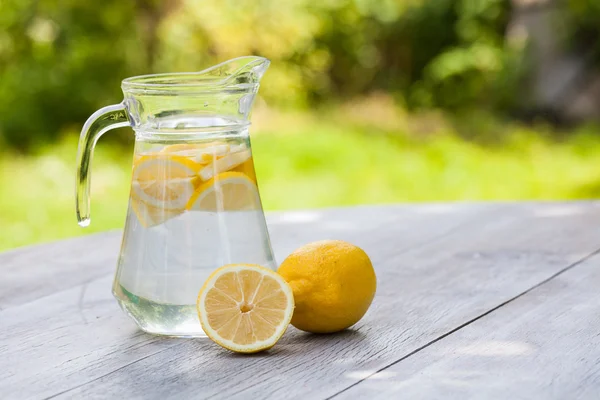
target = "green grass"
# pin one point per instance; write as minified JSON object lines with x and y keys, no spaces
{"x":317,"y":163}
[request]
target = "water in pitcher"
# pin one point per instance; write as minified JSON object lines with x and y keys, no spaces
{"x":194,"y":207}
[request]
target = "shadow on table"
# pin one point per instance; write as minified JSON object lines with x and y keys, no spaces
{"x":295,"y":341}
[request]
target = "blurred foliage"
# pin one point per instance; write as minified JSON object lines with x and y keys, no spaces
{"x":358,"y":92}
{"x":324,"y":159}
{"x":61,"y":60}
{"x":583,"y":26}
{"x":58,"y":62}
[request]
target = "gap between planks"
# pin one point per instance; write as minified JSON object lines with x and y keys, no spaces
{"x":445,"y":335}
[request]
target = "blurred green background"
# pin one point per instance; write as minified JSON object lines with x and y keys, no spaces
{"x":366,"y":101}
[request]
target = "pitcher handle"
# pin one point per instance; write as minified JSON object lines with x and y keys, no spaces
{"x":103,"y":120}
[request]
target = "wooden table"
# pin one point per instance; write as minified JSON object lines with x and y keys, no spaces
{"x":474,"y":301}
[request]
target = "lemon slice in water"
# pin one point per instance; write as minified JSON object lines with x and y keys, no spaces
{"x":225,"y":163}
{"x":164,"y":181}
{"x":228,"y":191}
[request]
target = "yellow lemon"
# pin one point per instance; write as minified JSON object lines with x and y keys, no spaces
{"x":245,"y":308}
{"x":333,"y":284}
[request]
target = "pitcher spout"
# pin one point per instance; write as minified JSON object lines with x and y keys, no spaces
{"x":239,"y":71}
{"x":226,"y":90}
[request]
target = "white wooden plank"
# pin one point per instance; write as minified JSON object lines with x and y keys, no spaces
{"x":544,"y":345}
{"x":36,"y":271}
{"x":423,"y":294}
{"x":78,"y":334}
{"x":49,"y":344}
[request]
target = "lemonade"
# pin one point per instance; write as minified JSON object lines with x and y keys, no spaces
{"x":194,"y":204}
{"x":194,"y":207}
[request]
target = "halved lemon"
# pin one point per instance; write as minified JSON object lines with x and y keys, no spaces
{"x":150,"y":216}
{"x":165,"y":181}
{"x":228,"y":191}
{"x":245,"y":308}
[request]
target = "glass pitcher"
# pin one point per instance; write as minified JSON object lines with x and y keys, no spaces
{"x":194,"y":203}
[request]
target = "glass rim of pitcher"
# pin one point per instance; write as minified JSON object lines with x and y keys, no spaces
{"x":207,"y":80}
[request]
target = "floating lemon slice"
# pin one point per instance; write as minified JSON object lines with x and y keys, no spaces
{"x":165,"y":181}
{"x":245,"y":308}
{"x":225,"y":163}
{"x":202,"y":153}
{"x":247,"y":168}
{"x":151,"y":216}
{"x":228,"y":191}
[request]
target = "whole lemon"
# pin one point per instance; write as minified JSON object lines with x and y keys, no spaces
{"x":333,"y":284}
